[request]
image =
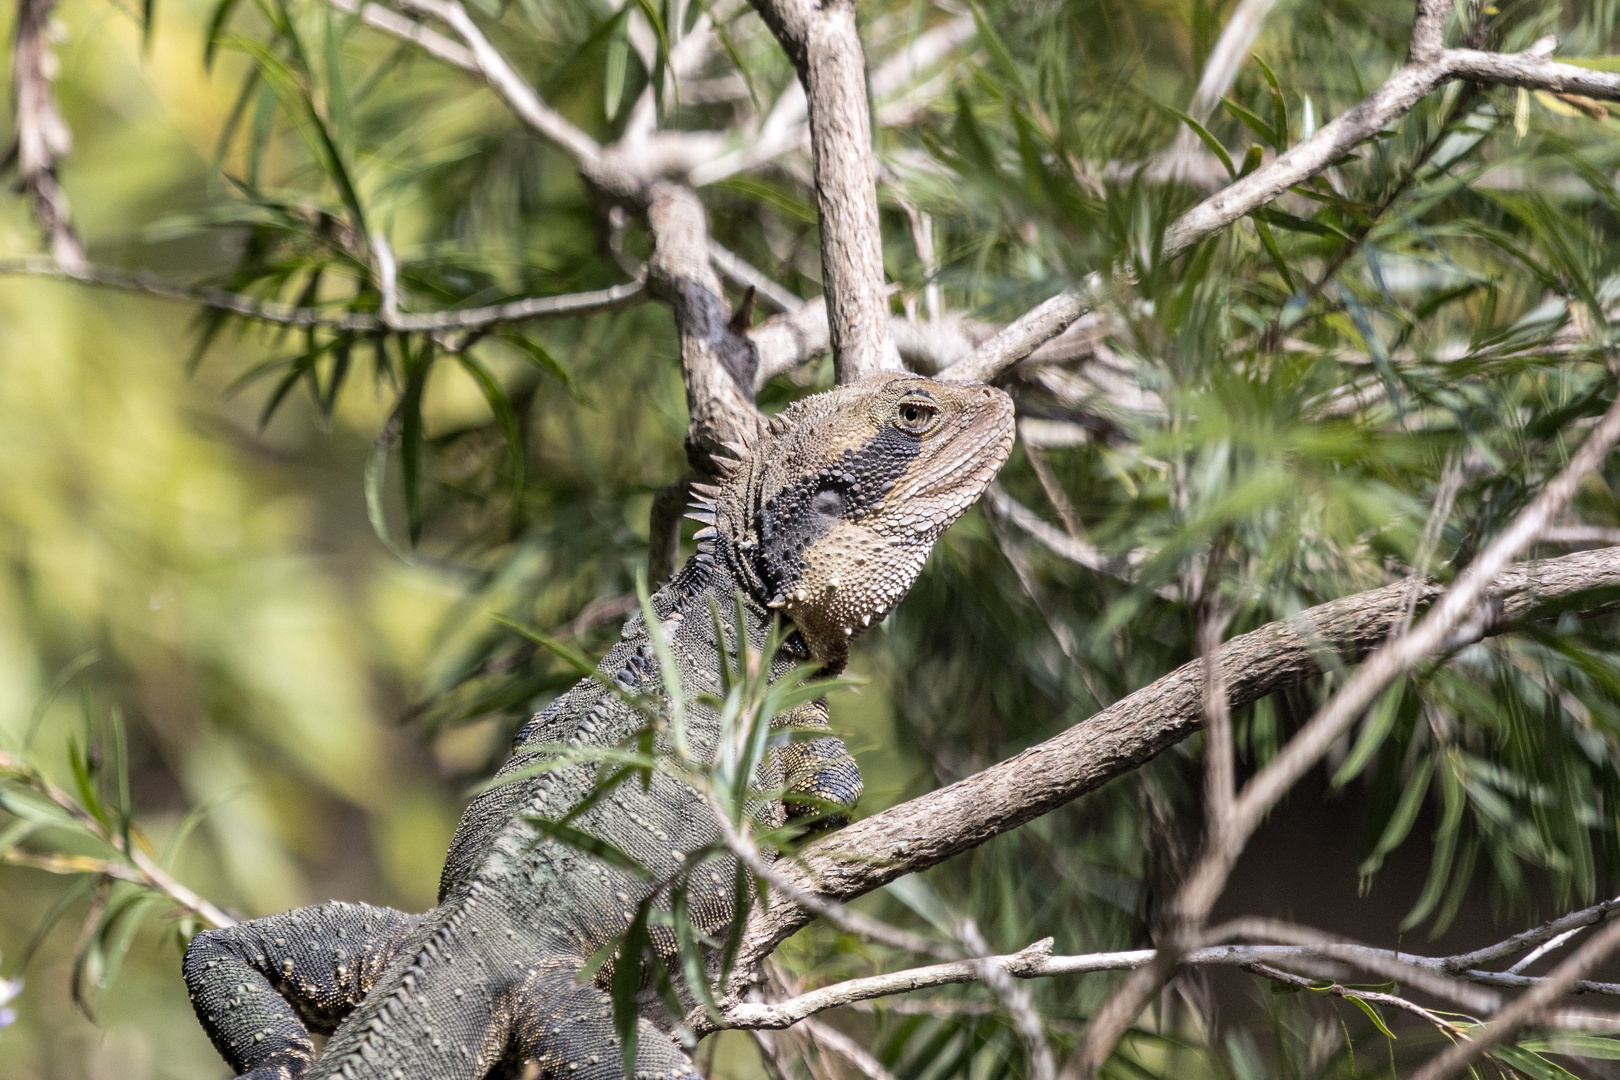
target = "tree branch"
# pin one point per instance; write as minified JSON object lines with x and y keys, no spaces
{"x":139,"y":867}
{"x":612,"y":298}
{"x":824,"y":44}
{"x":1528,"y":1009}
{"x":718,"y":361}
{"x":1448,"y":976}
{"x":392,"y":22}
{"x":931,"y":828}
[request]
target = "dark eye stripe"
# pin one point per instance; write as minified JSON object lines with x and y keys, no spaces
{"x":788,"y":523}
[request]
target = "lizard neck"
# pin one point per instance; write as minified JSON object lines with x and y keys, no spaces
{"x":710,"y":581}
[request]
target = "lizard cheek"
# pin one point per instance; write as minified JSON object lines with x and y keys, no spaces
{"x":852,"y":577}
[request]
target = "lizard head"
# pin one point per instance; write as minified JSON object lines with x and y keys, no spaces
{"x":832,"y":512}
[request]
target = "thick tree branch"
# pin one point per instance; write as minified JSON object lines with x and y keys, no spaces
{"x":824,"y":44}
{"x":718,"y":361}
{"x":931,"y":828}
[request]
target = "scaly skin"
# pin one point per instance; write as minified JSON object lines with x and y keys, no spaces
{"x":825,"y":521}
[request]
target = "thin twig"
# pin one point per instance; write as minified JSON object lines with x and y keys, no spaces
{"x":1037,"y":961}
{"x":830,"y":1038}
{"x":742,"y":272}
{"x":1527,"y":1009}
{"x":565,"y":305}
{"x":141,"y":868}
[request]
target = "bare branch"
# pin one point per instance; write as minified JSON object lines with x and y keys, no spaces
{"x":518,"y":95}
{"x":830,"y":1038}
{"x":1533,"y":938}
{"x":1528,"y":1009}
{"x":744,"y":273}
{"x":1025,"y":334}
{"x":788,"y":340}
{"x":42,"y":136}
{"x":1230,"y":53}
{"x":664,"y":529}
{"x":786,"y":129}
{"x":1371,"y":997}
{"x":1443,"y":977}
{"x":825,"y":46}
{"x":1428,"y":30}
{"x":1028,"y":1023}
{"x":564,"y":305}
{"x":718,"y":361}
{"x":1580,"y":534}
{"x":1220,"y":768}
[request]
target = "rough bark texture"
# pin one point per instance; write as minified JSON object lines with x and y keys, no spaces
{"x":927,"y":830}
{"x":825,"y":45}
{"x":717,"y":362}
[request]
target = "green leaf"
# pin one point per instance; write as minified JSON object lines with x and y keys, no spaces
{"x":1279,"y":106}
{"x":603,"y":850}
{"x":1000,"y":55}
{"x":1454,"y":800}
{"x":1374,"y":730}
{"x":566,"y":653}
{"x":1253,"y":122}
{"x":501,"y":406}
{"x":1532,"y":1065}
{"x":1209,"y":141}
{"x":1401,"y":820}
{"x":1373,"y":1015}
{"x":1270,"y":244}
{"x":1574,"y":1044}
{"x":618,"y":58}
{"x":537,"y":354}
{"x":628,"y":978}
{"x":689,"y":950}
{"x":417,"y":363}
{"x":1299,"y":224}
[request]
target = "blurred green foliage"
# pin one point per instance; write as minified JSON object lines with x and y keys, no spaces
{"x":261,"y":567}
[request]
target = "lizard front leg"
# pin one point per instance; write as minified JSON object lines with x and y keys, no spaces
{"x":261,"y":987}
{"x":819,"y":775}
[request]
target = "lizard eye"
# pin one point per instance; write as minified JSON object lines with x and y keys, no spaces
{"x":916,"y":417}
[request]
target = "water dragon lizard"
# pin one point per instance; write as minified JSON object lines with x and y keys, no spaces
{"x":824,"y":521}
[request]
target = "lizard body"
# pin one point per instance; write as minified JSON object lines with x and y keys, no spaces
{"x":825,"y":521}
